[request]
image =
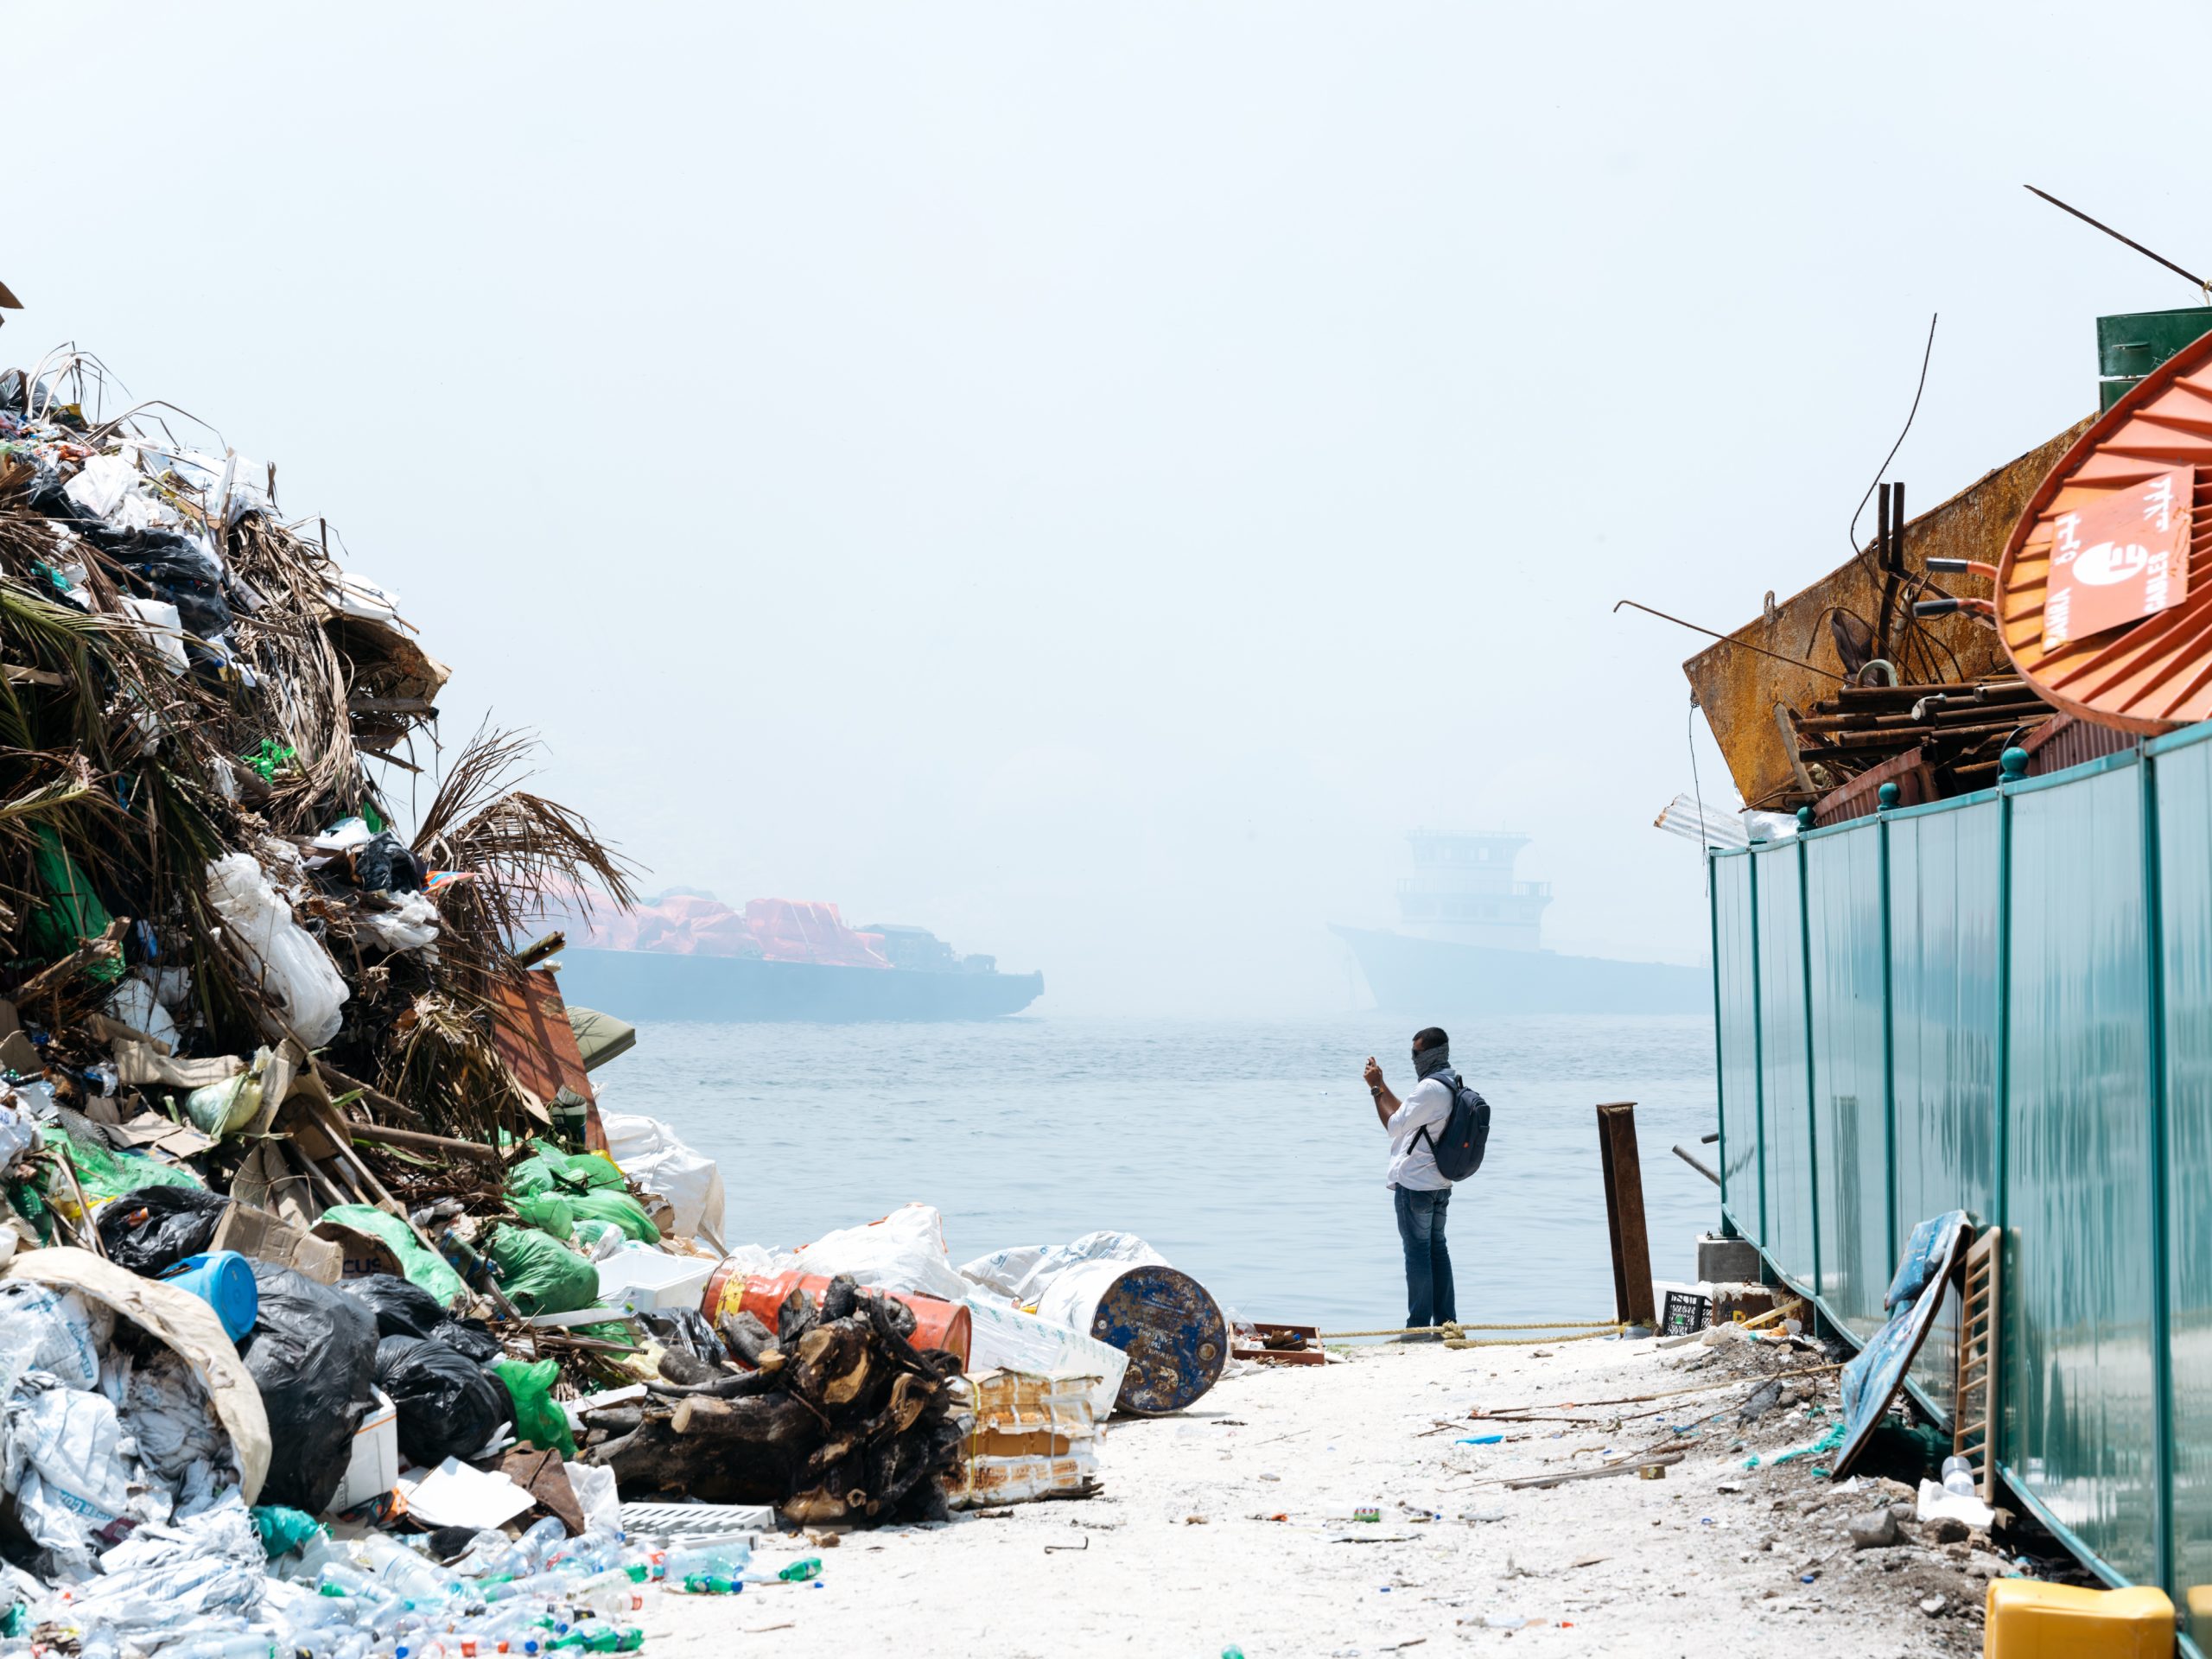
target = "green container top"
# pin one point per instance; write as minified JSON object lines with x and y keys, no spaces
{"x":2134,"y":343}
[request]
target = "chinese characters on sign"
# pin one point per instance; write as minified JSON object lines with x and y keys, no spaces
{"x":2119,"y":559}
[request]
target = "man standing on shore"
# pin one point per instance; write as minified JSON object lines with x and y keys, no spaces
{"x":1419,"y":1191}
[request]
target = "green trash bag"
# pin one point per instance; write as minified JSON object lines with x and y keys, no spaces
{"x":547,"y":1212}
{"x":573,"y":1171}
{"x":424,"y":1267}
{"x":620,"y":1207}
{"x":70,"y":912}
{"x":538,"y":1419}
{"x":541,"y":1274}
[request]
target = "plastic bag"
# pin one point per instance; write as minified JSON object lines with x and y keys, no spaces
{"x":549,"y":1168}
{"x":470,"y":1340}
{"x":283,"y":1531}
{"x":312,"y":1354}
{"x":421,"y":1267}
{"x":536,"y":1417}
{"x":53,"y":1330}
{"x":903,"y":1251}
{"x":221,"y":1108}
{"x":151,"y":1230}
{"x":685,"y":1330}
{"x":136,"y":1005}
{"x":409,"y":923}
{"x":547,"y":1212}
{"x":67,"y":1470}
{"x":541,"y":1274}
{"x":1023,"y":1272}
{"x":620,"y":1209}
{"x":285,"y":960}
{"x":105,"y":1174}
{"x":448,"y":1406}
{"x":400,"y":1307}
{"x":654,"y":1159}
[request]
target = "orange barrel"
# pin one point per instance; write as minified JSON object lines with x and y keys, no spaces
{"x":937,"y":1325}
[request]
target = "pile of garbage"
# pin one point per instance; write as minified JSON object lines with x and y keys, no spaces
{"x":335,"y":1314}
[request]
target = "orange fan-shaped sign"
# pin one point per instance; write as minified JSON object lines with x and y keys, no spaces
{"x":2105,"y":594}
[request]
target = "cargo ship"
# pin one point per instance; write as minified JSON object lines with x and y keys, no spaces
{"x":1469,"y":943}
{"x":685,"y":955}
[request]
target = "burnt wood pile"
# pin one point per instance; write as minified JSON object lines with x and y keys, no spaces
{"x":834,"y":1417}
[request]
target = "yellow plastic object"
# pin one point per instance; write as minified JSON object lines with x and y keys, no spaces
{"x":2032,"y":1620}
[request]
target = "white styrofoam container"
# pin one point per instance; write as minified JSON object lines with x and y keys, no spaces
{"x":373,"y":1469}
{"x":642,"y":1281}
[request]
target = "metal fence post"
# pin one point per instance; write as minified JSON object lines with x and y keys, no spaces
{"x":2154,"y":1025}
{"x":1758,"y":1051}
{"x":1812,"y":1090}
{"x":1720,"y":1044}
{"x":1890,"y":1240}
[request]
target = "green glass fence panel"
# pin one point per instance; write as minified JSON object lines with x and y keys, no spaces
{"x":1781,"y":1060}
{"x":2185,"y":928}
{"x":2080,"y":1420}
{"x":1843,"y":911}
{"x":1943,"y":1036}
{"x":1740,"y":1081}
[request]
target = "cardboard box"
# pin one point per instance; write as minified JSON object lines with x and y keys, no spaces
{"x":361,"y":1254}
{"x":373,"y":1469}
{"x":260,"y":1237}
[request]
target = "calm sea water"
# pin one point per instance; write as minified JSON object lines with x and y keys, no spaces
{"x":1246,"y":1152}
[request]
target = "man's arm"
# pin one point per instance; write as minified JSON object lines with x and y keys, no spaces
{"x":1386,"y":1103}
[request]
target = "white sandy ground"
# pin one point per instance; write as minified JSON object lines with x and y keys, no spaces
{"x":1677,"y":1567}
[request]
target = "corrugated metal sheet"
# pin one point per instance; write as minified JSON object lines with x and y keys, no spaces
{"x":1843,"y":892}
{"x":2047,"y":1001}
{"x":2069,"y":741}
{"x":2078,"y":1395}
{"x":1789,"y":1140}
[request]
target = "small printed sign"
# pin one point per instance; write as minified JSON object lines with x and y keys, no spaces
{"x":2119,"y":559}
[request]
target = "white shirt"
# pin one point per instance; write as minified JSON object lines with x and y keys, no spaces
{"x":1413,"y":1159}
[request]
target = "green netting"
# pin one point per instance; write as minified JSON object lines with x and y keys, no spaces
{"x":421,"y":1267}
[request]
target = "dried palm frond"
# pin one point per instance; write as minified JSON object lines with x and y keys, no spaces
{"x":448,"y":1068}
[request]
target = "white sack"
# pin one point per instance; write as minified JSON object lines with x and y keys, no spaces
{"x":67,"y":1470}
{"x":284,"y":958}
{"x":905,"y":1251}
{"x":652,"y":1154}
{"x":1024,"y":1271}
{"x":52,"y":1330}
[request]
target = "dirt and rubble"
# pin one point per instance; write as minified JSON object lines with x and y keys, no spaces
{"x":1236,"y":1524}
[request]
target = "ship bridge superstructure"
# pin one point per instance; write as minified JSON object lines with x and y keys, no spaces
{"x":1463,"y":891}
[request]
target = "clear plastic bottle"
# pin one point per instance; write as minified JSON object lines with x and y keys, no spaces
{"x":411,"y":1575}
{"x":722,"y":1561}
{"x":241,"y":1646}
{"x":1958,"y":1477}
{"x":595,"y":1550}
{"x":712,"y":1583}
{"x":529,"y":1553}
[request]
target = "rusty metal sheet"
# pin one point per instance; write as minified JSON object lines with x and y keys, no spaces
{"x":1739,"y":689}
{"x":530,"y":1029}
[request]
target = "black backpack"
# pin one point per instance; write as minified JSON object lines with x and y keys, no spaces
{"x":1461,"y":1141}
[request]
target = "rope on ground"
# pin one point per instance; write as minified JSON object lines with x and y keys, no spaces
{"x":1531,"y":1342}
{"x":1454,"y":1325}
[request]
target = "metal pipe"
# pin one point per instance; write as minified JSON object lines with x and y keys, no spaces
{"x":1696,"y":1163}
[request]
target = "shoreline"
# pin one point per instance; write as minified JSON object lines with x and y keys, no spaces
{"x":1215,"y":1530}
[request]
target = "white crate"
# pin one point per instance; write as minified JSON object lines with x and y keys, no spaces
{"x":642,"y":1281}
{"x":373,"y":1469}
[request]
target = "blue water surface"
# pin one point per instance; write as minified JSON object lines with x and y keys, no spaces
{"x":1246,"y":1152}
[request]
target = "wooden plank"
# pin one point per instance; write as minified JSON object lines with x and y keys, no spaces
{"x":1632,"y":1295}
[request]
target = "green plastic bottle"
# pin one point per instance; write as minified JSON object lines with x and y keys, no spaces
{"x":800,"y":1572}
{"x":605,"y":1639}
{"x":711,"y":1584}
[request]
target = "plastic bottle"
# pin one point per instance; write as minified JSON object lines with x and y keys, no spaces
{"x":595,"y":1550}
{"x":1958,"y":1477}
{"x":724,"y":1560}
{"x":712,"y":1583}
{"x":603,"y":1640}
{"x":410,"y":1574}
{"x":529,"y":1553}
{"x":800,"y":1572}
{"x":224,"y":1647}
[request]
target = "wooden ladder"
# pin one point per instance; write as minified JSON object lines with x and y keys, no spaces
{"x":1973,"y":1410}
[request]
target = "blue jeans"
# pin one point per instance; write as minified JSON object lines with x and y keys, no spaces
{"x":1429,"y":1299}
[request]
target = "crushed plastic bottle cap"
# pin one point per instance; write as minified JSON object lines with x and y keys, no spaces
{"x":1480,"y":1439}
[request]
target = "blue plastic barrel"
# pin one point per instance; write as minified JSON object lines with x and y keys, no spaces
{"x":222,"y":1280}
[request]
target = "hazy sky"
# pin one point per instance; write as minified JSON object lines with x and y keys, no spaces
{"x":1087,"y":479}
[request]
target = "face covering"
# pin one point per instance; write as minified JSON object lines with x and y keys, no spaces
{"x":1429,"y":1061}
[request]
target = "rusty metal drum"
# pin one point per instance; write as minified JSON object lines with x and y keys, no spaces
{"x":937,"y":1324}
{"x":1166,"y":1321}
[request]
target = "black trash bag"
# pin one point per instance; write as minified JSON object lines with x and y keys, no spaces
{"x":385,"y":864}
{"x":176,"y":568}
{"x":151,"y":1230}
{"x":450,"y":1407}
{"x":400,"y":1308}
{"x":471,"y":1338}
{"x":313,"y":1355}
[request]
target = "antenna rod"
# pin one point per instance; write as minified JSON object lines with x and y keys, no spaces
{"x":2117,"y":237}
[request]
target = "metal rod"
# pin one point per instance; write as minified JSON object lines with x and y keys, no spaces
{"x":1794,"y":662}
{"x":2129,"y":240}
{"x":1696,"y":1163}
